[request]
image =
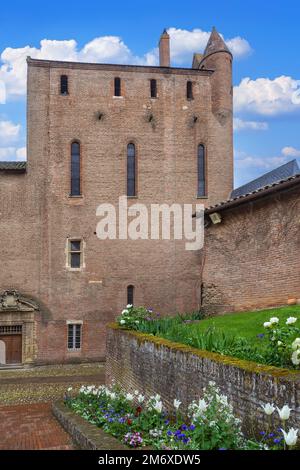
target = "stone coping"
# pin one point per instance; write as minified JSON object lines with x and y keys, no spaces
{"x":249,"y":366}
{"x":85,"y":435}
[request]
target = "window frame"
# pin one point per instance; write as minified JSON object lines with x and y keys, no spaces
{"x":131,"y":142}
{"x":130,"y":292}
{"x":153,"y":89}
{"x":189,"y":90}
{"x":73,"y":325}
{"x":70,"y":252}
{"x":119,"y":87}
{"x":66,"y":85}
{"x":202,"y":194}
{"x":71,"y":194}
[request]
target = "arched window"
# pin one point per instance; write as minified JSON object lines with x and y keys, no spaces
{"x":201,"y":171}
{"x":117,"y":91}
{"x":153,"y":88}
{"x":75,"y":169}
{"x":64,"y":85}
{"x":131,"y":169}
{"x":130,"y":292}
{"x":189,"y":90}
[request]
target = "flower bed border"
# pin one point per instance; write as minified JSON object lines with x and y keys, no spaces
{"x":86,"y":436}
{"x":249,"y":366}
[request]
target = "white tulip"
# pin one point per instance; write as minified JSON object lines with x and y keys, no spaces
{"x":284,"y":413}
{"x":158,"y":406}
{"x":129,"y":306}
{"x":202,"y":405}
{"x":269,"y":408}
{"x":296,"y":344}
{"x":267,"y":324}
{"x":177,"y":404}
{"x":122,"y":322}
{"x":296,"y":357}
{"x":279,"y":343}
{"x":140,"y":398}
{"x":129,"y":397}
{"x":274,"y":320}
{"x":290,"y":437}
{"x":291,"y":320}
{"x":124,"y":312}
{"x":70,"y":389}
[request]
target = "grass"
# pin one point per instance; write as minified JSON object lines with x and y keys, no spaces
{"x":247,"y":324}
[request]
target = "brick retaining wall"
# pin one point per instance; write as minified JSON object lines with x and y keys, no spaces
{"x":154,"y":365}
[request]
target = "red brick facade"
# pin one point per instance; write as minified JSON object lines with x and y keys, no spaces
{"x":252,"y":256}
{"x":38,"y":215}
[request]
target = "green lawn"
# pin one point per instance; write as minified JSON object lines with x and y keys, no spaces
{"x":247,"y":324}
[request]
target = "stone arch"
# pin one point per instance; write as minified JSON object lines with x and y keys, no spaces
{"x":2,"y":352}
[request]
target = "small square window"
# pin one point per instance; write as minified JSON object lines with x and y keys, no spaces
{"x":75,"y":254}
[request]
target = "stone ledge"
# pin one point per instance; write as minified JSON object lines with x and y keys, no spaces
{"x":84,"y":434}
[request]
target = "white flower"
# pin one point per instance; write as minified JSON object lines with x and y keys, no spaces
{"x":269,"y":408}
{"x":129,"y":306}
{"x":157,"y":397}
{"x":70,"y":389}
{"x":296,"y":344}
{"x":267,"y":324}
{"x":290,"y":437}
{"x":140,"y":398}
{"x":136,"y":321}
{"x":274,"y":320}
{"x":202,"y":405}
{"x":124,"y":312}
{"x":279,"y":343}
{"x":129,"y":397}
{"x":136,"y":392}
{"x":158,"y":406}
{"x":122,"y":322}
{"x":177,"y":404}
{"x":296,"y":357}
{"x":112,"y":395}
{"x":284,"y":413}
{"x":291,"y":320}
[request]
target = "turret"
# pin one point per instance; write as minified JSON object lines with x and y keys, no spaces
{"x":164,"y":49}
{"x":218,"y":57}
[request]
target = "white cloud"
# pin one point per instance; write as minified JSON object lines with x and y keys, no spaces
{"x":2,"y":92}
{"x":12,"y":154}
{"x":290,"y":152}
{"x":103,"y":49}
{"x":267,"y":97}
{"x":241,"y":125}
{"x":184,"y":43}
{"x":9,"y":132}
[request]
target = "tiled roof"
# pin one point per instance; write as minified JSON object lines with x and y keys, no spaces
{"x":282,"y":172}
{"x":278,"y":185}
{"x":12,"y":166}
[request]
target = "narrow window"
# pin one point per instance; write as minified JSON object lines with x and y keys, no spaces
{"x":201,"y":171}
{"x":75,"y":169}
{"x":117,"y":86}
{"x":75,"y":254}
{"x":153,"y":88}
{"x":189,"y":90}
{"x":130,"y":291}
{"x":64,"y":85}
{"x":131,"y":167}
{"x":74,"y":336}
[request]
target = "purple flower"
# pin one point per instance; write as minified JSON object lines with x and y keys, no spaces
{"x":261,"y":335}
{"x":192,"y":427}
{"x":169,"y":433}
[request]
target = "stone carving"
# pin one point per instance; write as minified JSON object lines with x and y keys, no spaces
{"x":11,"y":300}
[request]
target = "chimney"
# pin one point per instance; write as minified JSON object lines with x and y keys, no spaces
{"x":164,"y":49}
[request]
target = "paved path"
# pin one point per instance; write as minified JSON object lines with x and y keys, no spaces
{"x":26,"y":420}
{"x":31,"y":427}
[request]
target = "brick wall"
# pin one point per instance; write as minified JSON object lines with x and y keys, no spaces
{"x":252,"y":256}
{"x":151,"y":365}
{"x":37,"y":214}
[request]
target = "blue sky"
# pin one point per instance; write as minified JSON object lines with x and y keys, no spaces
{"x":263,"y":36}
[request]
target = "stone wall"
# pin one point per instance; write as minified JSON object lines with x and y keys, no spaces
{"x":252,"y":256}
{"x":153,"y":365}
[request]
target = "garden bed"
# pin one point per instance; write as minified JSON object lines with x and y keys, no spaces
{"x":155,"y":365}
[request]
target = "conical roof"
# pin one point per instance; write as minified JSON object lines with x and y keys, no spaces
{"x":215,"y":43}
